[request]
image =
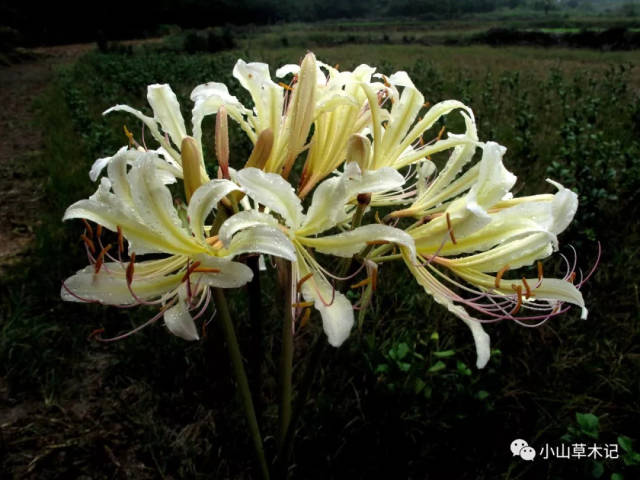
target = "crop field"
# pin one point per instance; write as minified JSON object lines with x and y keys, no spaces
{"x":402,"y":397}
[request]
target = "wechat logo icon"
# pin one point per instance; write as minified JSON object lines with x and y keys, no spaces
{"x":520,"y":448}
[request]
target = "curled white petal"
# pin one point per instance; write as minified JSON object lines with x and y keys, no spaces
{"x":273,"y":191}
{"x":180,"y":322}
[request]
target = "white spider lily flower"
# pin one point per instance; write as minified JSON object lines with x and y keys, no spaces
{"x":327,"y":210}
{"x":167,"y":126}
{"x":397,"y":134}
{"x":342,"y":111}
{"x":270,"y":109}
{"x":288,"y":111}
{"x":494,"y":235}
{"x":135,"y":203}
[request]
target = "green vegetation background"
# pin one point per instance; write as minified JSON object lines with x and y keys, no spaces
{"x":401,"y":398}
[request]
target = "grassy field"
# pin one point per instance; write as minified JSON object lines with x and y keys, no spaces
{"x":389,"y":403}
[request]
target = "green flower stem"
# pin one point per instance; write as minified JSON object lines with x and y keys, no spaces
{"x":284,"y":454}
{"x":241,"y":377}
{"x":286,"y":351}
{"x":256,"y":353}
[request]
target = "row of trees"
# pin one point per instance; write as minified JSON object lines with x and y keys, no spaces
{"x":75,"y":20}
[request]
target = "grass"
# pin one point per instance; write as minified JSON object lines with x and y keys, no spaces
{"x":389,"y":403}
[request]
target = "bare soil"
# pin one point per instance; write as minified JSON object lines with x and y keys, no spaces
{"x":21,"y":195}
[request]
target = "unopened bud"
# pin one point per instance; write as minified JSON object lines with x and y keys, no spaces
{"x":301,"y":110}
{"x":191,"y":165}
{"x":261,"y":150}
{"x":359,"y":151}
{"x":222,"y":141}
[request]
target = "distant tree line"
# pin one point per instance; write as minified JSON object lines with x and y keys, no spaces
{"x":37,"y":22}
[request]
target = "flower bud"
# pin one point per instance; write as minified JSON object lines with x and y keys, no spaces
{"x":191,"y":165}
{"x":301,"y":110}
{"x":261,"y":150}
{"x":359,"y":151}
{"x":222,"y":141}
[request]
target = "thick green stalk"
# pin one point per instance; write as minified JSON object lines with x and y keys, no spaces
{"x":241,"y":377}
{"x":256,"y":353}
{"x":284,"y":454}
{"x":286,"y":351}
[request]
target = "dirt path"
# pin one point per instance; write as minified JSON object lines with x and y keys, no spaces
{"x":21,"y":196}
{"x":20,"y":141}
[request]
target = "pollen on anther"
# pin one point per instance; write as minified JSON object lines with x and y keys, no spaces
{"x":302,"y":280}
{"x":362,"y":283}
{"x":499,"y":275}
{"x":100,"y":259}
{"x":206,"y":270}
{"x":130,"y":268}
{"x":88,"y":227}
{"x":190,"y":270}
{"x":89,"y":243}
{"x":305,"y":317}
{"x":540,"y":276}
{"x":527,"y":287}
{"x":120,"y":240}
{"x":450,"y":229}
{"x":518,"y":290}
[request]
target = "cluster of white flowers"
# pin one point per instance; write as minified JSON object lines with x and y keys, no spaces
{"x":361,"y":136}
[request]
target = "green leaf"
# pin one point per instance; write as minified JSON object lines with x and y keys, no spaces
{"x":444,"y":353}
{"x":382,"y":368}
{"x":482,"y":394}
{"x":402,"y":350}
{"x":597,"y":470}
{"x":404,"y":366}
{"x":463,"y":369}
{"x":419,"y":386}
{"x":589,"y":424}
{"x":435,"y":337}
{"x":617,"y":476}
{"x":625,"y":443}
{"x":439,"y":365}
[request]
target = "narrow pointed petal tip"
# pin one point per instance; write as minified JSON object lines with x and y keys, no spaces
{"x":481,"y":340}
{"x":179,"y":322}
{"x":336,"y":311}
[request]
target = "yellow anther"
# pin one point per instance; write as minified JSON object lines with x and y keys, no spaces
{"x":120,"y":240}
{"x":499,"y":275}
{"x":206,"y":270}
{"x":518,"y":290}
{"x":362,"y":283}
{"x":89,"y":243}
{"x":305,"y":317}
{"x":130,"y":268}
{"x":527,"y":287}
{"x":540,"y":272}
{"x":302,"y":304}
{"x":88,"y":227}
{"x":129,"y":135}
{"x":450,"y":229}
{"x":302,"y":280}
